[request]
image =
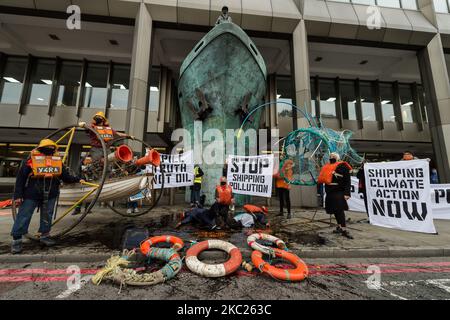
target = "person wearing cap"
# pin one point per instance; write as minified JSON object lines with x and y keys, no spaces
{"x":336,"y":177}
{"x":37,"y":185}
{"x":283,"y":187}
{"x":101,"y":125}
{"x":224,"y":16}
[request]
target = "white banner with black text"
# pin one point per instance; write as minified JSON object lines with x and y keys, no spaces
{"x":251,"y":175}
{"x":398,"y":195}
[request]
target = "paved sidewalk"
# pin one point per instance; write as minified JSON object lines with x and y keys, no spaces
{"x":99,"y":235}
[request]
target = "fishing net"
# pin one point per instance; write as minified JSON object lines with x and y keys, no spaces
{"x":306,"y":150}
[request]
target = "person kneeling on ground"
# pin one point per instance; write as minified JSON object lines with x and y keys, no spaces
{"x":254,"y":215}
{"x":336,"y":177}
{"x":205,"y":217}
{"x":37,"y":185}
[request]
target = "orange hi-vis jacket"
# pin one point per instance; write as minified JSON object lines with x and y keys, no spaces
{"x":280,"y":181}
{"x":45,"y":166}
{"x":328,"y":171}
{"x":225,"y":194}
{"x":105,"y":132}
{"x":250,"y":208}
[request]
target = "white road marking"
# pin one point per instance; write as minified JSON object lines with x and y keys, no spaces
{"x":443,"y":284}
{"x":68,"y":292}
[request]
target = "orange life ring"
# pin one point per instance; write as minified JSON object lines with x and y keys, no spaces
{"x":298,"y":274}
{"x":213,"y":270}
{"x":176,"y":242}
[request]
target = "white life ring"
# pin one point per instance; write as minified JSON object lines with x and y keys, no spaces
{"x":213,"y":270}
{"x":251,"y":241}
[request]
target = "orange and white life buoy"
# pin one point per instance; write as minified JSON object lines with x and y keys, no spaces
{"x":213,"y":270}
{"x":251,"y":241}
{"x":176,"y":242}
{"x":298,"y":274}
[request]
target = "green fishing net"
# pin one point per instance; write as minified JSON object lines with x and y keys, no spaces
{"x":308,"y":149}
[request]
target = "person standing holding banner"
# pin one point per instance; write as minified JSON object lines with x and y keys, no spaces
{"x":336,"y":177}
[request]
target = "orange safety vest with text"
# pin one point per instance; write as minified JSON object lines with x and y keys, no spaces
{"x":45,"y":166}
{"x":106,"y":133}
{"x":225,"y":194}
{"x":328,"y":170}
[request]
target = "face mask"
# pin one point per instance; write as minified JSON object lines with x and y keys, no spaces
{"x":332,"y":160}
{"x":98,"y":121}
{"x":47,"y":151}
{"x":223,"y":183}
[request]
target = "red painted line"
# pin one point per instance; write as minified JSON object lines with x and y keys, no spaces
{"x":41,"y":275}
{"x":382,"y":271}
{"x":43,"y":271}
{"x":32,"y":279}
{"x":241,"y":273}
{"x":365,"y":265}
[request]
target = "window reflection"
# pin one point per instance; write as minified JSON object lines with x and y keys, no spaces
{"x":153,"y":97}
{"x":327,"y":98}
{"x":284,"y":94}
{"x":348,"y":98}
{"x":407,"y":103}
{"x":387,"y":102}
{"x":41,"y":82}
{"x":313,"y":97}
{"x":367,"y":101}
{"x":120,"y":86}
{"x":69,"y":83}
{"x":96,"y":85}
{"x":12,"y":81}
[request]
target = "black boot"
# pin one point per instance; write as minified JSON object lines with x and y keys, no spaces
{"x":347,"y":234}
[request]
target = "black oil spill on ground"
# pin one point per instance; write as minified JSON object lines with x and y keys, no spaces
{"x":110,"y":236}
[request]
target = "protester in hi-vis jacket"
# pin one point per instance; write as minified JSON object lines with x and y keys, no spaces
{"x":336,"y":177}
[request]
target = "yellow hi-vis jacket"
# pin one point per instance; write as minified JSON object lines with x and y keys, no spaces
{"x":197,"y":179}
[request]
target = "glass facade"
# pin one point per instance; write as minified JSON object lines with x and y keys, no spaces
{"x":285,"y":112}
{"x":95,"y":87}
{"x":387,"y":102}
{"x":69,"y":83}
{"x":378,"y":100}
{"x":12,"y":80}
{"x":442,"y":6}
{"x":313,"y":97}
{"x":67,"y":75}
{"x":41,"y":82}
{"x":367,"y":101}
{"x":407,"y":105}
{"x":153,"y":95}
{"x":405,"y":4}
{"x":348,"y":99}
{"x":120,"y":86}
{"x":327,"y":92}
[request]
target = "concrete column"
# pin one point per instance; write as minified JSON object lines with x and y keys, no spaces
{"x":303,"y":196}
{"x":436,"y":83}
{"x":140,"y":65}
{"x":300,"y":67}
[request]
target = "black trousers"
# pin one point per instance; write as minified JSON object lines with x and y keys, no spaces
{"x":340,"y":218}
{"x":283,"y":196}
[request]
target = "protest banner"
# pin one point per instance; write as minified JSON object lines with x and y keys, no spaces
{"x":398,"y":195}
{"x":440,"y":201}
{"x":178,"y":170}
{"x":251,"y":175}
